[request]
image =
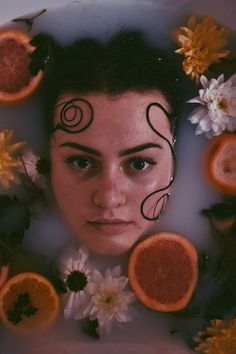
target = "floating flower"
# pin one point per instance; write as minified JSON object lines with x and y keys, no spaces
{"x":219,"y":337}
{"x":218,"y":111}
{"x":202,"y":44}
{"x":9,"y":164}
{"x":110,"y":301}
{"x":76,"y":274}
{"x":34,"y":167}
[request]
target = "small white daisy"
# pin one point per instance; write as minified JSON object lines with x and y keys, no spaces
{"x":218,"y":106}
{"x":110,"y":301}
{"x":32,"y":167}
{"x":76,"y":275}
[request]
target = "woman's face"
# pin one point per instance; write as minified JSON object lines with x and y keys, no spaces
{"x":102,"y":174}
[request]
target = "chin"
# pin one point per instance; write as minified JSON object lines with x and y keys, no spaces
{"x":111,"y":247}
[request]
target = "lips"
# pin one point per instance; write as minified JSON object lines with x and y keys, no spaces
{"x":110,"y":226}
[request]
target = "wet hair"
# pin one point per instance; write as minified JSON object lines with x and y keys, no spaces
{"x":126,"y":62}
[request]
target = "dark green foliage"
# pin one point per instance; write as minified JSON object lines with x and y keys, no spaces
{"x":22,"y":307}
{"x":46,"y":50}
{"x":29,"y":21}
{"x":14,"y":220}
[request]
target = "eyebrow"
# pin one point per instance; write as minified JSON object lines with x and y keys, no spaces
{"x":139,"y":148}
{"x":121,"y":153}
{"x":82,"y":148}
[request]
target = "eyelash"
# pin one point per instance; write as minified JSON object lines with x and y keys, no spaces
{"x":96,"y":166}
{"x":71,"y":161}
{"x":146,"y":160}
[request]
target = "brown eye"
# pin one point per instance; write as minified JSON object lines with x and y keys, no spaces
{"x":81,"y":162}
{"x":139,"y":165}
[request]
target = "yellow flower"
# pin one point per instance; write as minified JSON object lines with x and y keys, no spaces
{"x":8,"y":163}
{"x":202,"y":44}
{"x":218,"y":338}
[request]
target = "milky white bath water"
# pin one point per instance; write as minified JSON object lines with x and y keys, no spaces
{"x":150,"y":331}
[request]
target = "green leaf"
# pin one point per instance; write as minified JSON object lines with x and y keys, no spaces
{"x":22,"y":307}
{"x":47,"y":49}
{"x":22,"y":301}
{"x":30,"y":311}
{"x":14,"y":316}
{"x":221,"y":210}
{"x":29,"y":21}
{"x":14,"y":220}
{"x":91,"y":328}
{"x":220,"y":303}
{"x":226,"y":66}
{"x":58,"y":283}
{"x":54,"y":276}
{"x":188,"y":313}
{"x":203,"y":263}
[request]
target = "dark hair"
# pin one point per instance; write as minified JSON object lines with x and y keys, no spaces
{"x":125,"y":63}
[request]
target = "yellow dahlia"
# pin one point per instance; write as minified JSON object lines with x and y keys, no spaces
{"x":202,"y":44}
{"x":9,"y":164}
{"x":218,"y":338}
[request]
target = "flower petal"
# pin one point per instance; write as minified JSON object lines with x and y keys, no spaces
{"x":204,"y":81}
{"x":69,"y":306}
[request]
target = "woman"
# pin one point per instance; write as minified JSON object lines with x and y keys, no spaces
{"x":112,"y":133}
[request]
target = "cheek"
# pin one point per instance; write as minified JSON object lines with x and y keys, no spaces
{"x":156,"y":192}
{"x":66,"y":188}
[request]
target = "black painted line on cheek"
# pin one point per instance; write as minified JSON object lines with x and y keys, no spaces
{"x":165,"y":195}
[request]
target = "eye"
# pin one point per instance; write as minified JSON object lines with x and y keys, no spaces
{"x":80,"y":162}
{"x":139,"y":165}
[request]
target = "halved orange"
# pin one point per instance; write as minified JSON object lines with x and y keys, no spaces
{"x":28,"y":303}
{"x":221,"y":162}
{"x":163,"y":271}
{"x":4,"y":272}
{"x":16,"y":81}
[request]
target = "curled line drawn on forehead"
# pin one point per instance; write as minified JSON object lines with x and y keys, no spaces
{"x":75,"y":115}
{"x":165,"y":195}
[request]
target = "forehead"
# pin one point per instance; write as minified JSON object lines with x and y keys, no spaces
{"x":112,"y":116}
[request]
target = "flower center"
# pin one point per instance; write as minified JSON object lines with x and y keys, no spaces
{"x":222,"y":104}
{"x":42,"y":166}
{"x":76,"y":281}
{"x":109,"y":300}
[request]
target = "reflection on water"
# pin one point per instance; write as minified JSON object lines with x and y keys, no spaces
{"x":190,"y":192}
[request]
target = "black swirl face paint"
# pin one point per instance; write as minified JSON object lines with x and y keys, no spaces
{"x":76,"y":115}
{"x":160,"y":201}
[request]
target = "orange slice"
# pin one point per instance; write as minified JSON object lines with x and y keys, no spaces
{"x":221,"y":162}
{"x":28,"y":303}
{"x":16,"y":82}
{"x":163,"y":271}
{"x":4,"y":272}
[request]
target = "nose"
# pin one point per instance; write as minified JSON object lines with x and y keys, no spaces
{"x":109,"y":194}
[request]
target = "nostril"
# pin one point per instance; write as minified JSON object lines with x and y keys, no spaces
{"x":109,"y":196}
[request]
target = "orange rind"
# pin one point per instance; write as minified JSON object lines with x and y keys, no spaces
{"x":16,"y":82}
{"x":42,"y":299}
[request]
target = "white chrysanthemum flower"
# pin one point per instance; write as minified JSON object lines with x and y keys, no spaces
{"x":218,"y":106}
{"x":32,"y":167}
{"x":76,"y":275}
{"x":110,"y":301}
